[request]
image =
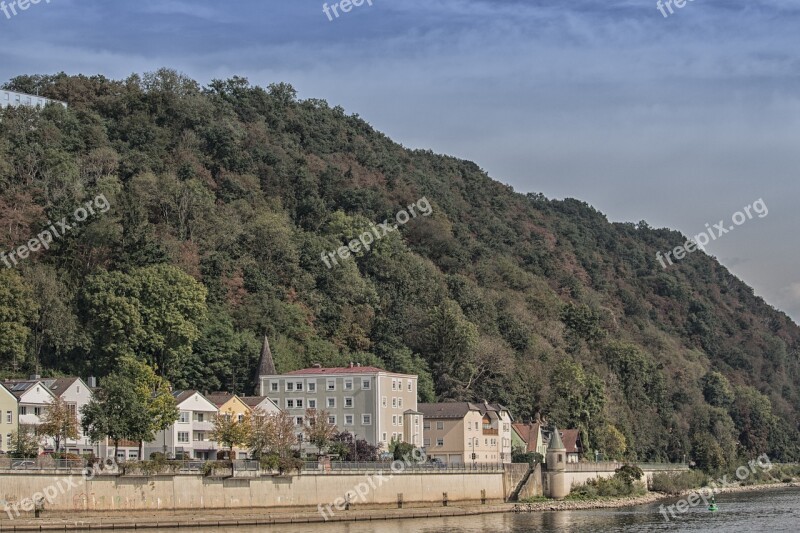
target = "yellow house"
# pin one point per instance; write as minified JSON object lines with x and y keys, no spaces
{"x":233,"y":406}
{"x":9,"y":421}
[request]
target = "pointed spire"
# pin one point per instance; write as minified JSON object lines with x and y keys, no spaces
{"x":555,"y":441}
{"x":266,"y":366}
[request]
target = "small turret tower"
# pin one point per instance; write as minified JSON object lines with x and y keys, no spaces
{"x":556,"y":466}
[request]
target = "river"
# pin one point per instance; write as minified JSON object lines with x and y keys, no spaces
{"x":774,"y":511}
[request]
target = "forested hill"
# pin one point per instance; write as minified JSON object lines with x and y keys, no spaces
{"x":223,"y":200}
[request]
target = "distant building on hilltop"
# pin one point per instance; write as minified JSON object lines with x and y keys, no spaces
{"x":15,"y":99}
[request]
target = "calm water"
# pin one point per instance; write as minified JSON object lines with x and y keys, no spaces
{"x":774,"y":511}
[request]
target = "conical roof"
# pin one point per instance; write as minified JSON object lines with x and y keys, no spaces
{"x":555,"y":441}
{"x":266,"y":366}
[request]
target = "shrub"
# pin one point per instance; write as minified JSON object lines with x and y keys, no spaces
{"x":677,"y":482}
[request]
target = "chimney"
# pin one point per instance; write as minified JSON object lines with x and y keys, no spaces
{"x":92,"y":382}
{"x":35,"y":376}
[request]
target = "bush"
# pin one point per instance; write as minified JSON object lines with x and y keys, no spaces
{"x":620,"y":485}
{"x":677,"y":482}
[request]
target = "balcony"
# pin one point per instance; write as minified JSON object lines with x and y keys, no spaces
{"x":490,"y":431}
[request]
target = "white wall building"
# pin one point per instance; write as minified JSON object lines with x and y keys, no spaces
{"x":75,"y":393}
{"x":15,"y":99}
{"x":190,"y":436}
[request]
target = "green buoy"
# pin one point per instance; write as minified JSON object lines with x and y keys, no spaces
{"x":713,"y":505}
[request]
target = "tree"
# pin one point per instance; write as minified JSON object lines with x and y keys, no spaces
{"x":232,"y":432}
{"x":24,"y":442}
{"x":133,"y":403}
{"x":611,"y":442}
{"x":272,"y":434}
{"x":17,"y":310}
{"x":318,"y":429}
{"x":155,"y":312}
{"x":60,"y":422}
{"x":349,"y":448}
{"x":400,"y":450}
{"x":717,"y":389}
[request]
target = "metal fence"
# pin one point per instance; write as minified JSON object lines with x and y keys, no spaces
{"x":311,"y":467}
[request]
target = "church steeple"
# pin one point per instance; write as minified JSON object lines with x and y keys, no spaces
{"x":266,"y":366}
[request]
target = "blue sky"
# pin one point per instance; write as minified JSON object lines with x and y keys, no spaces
{"x":680,"y":121}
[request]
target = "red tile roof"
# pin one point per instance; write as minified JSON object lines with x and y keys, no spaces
{"x":571,"y":439}
{"x":529,"y":433}
{"x":345,"y":370}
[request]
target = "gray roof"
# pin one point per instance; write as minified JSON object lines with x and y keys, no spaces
{"x":456,"y":410}
{"x":555,"y":441}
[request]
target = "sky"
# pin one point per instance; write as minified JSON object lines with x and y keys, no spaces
{"x":680,"y":120}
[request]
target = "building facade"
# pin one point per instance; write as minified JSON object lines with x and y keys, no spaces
{"x":529,"y":437}
{"x":15,"y":99}
{"x":369,"y":402}
{"x":465,"y":432}
{"x":189,"y":437}
{"x":76,"y":394}
{"x":9,"y":416}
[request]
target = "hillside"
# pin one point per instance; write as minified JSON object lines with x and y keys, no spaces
{"x":223,"y":200}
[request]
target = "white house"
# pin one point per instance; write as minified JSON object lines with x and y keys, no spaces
{"x":33,"y":397}
{"x":260,"y":403}
{"x":75,"y":393}
{"x":190,"y":436}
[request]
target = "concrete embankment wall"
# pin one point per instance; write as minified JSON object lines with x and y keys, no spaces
{"x":119,"y":493}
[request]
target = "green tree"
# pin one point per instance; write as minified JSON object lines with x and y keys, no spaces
{"x":18,"y":309}
{"x":155,"y":312}
{"x":318,"y":429}
{"x":24,"y":442}
{"x":232,"y":432}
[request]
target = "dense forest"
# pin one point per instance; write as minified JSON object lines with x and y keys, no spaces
{"x":224,"y":199}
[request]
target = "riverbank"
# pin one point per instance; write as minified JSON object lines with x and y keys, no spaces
{"x":255,"y":517}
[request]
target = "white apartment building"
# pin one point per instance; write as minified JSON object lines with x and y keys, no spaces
{"x":369,"y":402}
{"x":190,"y":436}
{"x":15,"y":99}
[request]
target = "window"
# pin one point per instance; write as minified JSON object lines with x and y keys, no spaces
{"x":426,"y":441}
{"x":394,"y":420}
{"x":183,"y":418}
{"x":299,"y":385}
{"x":410,"y":385}
{"x":312,"y":404}
{"x":299,"y":404}
{"x":440,"y":441}
{"x":332,"y":419}
{"x":366,"y":384}
{"x":394,"y":384}
{"x":383,"y":401}
{"x":23,"y":410}
{"x":384,"y":437}
{"x":331,"y":384}
{"x":183,"y":436}
{"x":400,"y":403}
{"x":331,"y":403}
{"x":199,"y":436}
{"x":298,"y":421}
{"x":273,"y":387}
{"x":348,"y":384}
{"x":348,"y":403}
{"x":289,"y":386}
{"x":37,"y":411}
{"x":312,"y":386}
{"x":241,"y":418}
{"x":200,"y":417}
{"x":394,"y":403}
{"x":399,"y":420}
{"x":9,"y":417}
{"x":366,"y":420}
{"x":289,"y":404}
{"x":439,"y":425}
{"x":348,"y":420}
{"x":426,"y":424}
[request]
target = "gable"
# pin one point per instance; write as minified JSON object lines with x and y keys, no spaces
{"x":197,"y":402}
